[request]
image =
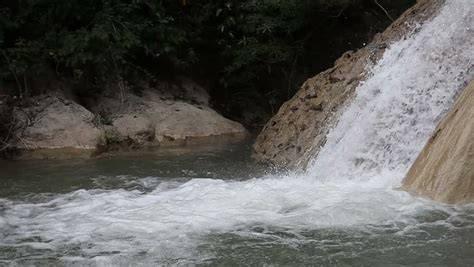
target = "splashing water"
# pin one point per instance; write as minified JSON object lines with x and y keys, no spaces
{"x":395,"y":110}
{"x":349,"y":184}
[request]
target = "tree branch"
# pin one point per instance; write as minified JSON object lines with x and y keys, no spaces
{"x":384,"y":10}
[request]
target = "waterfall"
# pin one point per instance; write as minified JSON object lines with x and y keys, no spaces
{"x":397,"y":107}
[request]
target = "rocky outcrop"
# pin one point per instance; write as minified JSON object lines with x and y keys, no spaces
{"x":151,"y":118}
{"x":132,"y":129}
{"x":54,"y":127}
{"x":299,"y":128}
{"x":444,"y":170}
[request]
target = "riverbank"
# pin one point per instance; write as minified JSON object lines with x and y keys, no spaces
{"x":60,"y":126}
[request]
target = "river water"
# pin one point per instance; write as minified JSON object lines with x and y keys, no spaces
{"x":149,"y":209}
{"x":212,"y":205}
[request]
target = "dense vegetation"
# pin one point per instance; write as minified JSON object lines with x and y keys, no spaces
{"x":246,"y":52}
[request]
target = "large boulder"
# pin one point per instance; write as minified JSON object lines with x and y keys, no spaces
{"x":181,"y":121}
{"x":444,"y":170}
{"x":153,"y":117}
{"x":300,"y":127}
{"x":51,"y":126}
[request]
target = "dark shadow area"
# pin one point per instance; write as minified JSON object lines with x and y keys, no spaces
{"x":251,"y":56}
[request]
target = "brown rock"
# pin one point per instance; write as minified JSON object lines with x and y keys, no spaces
{"x":129,"y":127}
{"x":55,"y":127}
{"x":299,"y":128}
{"x":180,"y":121}
{"x":152,"y":119}
{"x":444,"y":170}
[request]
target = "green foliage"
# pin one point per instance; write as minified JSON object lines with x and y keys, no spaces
{"x":77,"y":35}
{"x":264,"y":39}
{"x":271,"y":46}
{"x":249,"y":49}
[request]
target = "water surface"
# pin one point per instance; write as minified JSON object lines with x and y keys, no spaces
{"x":149,"y":208}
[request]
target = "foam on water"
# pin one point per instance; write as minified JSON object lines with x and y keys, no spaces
{"x":167,"y":222}
{"x":350,"y":182}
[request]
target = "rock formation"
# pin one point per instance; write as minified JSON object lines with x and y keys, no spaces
{"x":299,"y":128}
{"x":152,"y":119}
{"x":53,"y":126}
{"x":444,"y":170}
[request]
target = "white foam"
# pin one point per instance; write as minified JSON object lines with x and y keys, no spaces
{"x":130,"y":221}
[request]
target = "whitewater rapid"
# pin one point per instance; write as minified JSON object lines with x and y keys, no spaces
{"x":351,"y":182}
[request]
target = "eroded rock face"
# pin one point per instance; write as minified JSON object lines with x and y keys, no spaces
{"x":52,"y":124}
{"x":300,"y":127}
{"x":444,"y":170}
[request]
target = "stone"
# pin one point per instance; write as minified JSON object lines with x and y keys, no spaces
{"x":161,"y":120}
{"x":180,"y":121}
{"x":299,"y":129}
{"x":137,"y":128}
{"x":444,"y":170}
{"x":56,"y":124}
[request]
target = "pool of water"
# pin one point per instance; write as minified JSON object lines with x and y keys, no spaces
{"x":132,"y":170}
{"x":212,"y":205}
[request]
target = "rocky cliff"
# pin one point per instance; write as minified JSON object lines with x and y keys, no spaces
{"x":299,"y":128}
{"x":444,"y":170}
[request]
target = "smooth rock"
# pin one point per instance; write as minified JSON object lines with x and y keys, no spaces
{"x":180,"y":121}
{"x":137,"y":128}
{"x":444,"y":170}
{"x":53,"y":124}
{"x":161,"y":120}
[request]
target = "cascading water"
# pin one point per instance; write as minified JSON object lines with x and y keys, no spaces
{"x":348,"y":186}
{"x":394,"y":111}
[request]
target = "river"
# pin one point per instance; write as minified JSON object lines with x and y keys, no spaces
{"x":148,"y":208}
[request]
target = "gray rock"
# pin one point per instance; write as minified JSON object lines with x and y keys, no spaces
{"x":160,"y":120}
{"x":136,"y":128}
{"x":53,"y":124}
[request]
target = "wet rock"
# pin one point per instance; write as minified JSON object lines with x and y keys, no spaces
{"x":444,"y":170}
